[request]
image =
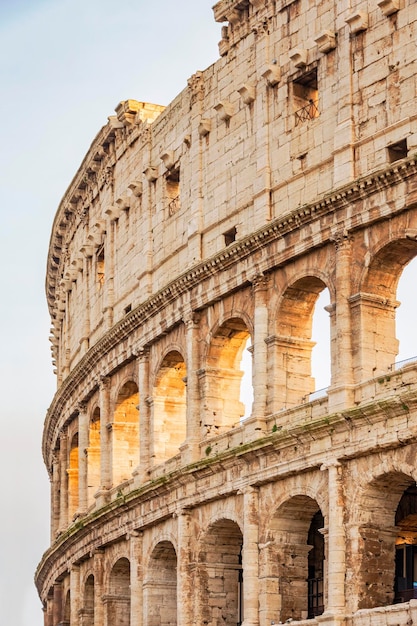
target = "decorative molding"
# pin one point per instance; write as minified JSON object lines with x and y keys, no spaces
{"x":357,"y":22}
{"x":126,"y":111}
{"x":151,"y":173}
{"x":136,"y":188}
{"x":272,"y":74}
{"x":168,"y":159}
{"x":247,"y":93}
{"x":326,"y":41}
{"x":204,"y":127}
{"x":298,"y":57}
{"x":389,"y":7}
{"x":225,"y":110}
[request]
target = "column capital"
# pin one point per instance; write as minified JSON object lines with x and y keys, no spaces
{"x":82,"y":407}
{"x":104,"y":382}
{"x":260,"y":282}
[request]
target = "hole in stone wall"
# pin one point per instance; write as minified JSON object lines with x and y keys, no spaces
{"x":230,"y":236}
{"x":397,"y":151}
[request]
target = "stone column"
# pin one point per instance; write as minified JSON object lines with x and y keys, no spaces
{"x":336,"y":542}
{"x":340,"y":392}
{"x":57,"y":605}
{"x":75,"y":594}
{"x":250,"y":556}
{"x":55,"y":497}
{"x":136,"y":578}
{"x":141,"y":473}
{"x":82,"y":458}
{"x":259,"y":369}
{"x":63,"y":462}
{"x":98,"y":588}
{"x":374,"y":344}
{"x":108,"y":300}
{"x":190,"y":451}
{"x":105,"y":443}
{"x":185,"y":583}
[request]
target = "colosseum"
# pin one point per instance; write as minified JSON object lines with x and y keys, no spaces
{"x":198,"y":233}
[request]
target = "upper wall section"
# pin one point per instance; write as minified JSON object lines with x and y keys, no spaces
{"x":305,"y":98}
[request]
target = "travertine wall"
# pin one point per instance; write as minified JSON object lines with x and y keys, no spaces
{"x":190,"y":234}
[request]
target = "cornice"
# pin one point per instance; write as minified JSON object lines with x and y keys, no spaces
{"x":81,"y":535}
{"x":232,"y":255}
{"x":93,"y":173}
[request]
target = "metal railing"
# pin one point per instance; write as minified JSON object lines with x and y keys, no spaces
{"x":315,"y":395}
{"x":399,"y":364}
{"x":174,"y":205}
{"x":307,"y":112}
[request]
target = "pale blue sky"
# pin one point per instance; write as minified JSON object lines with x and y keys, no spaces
{"x":64,"y":66}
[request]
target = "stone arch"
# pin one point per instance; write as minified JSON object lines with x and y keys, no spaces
{"x":169,"y":406}
{"x":222,"y":376}
{"x":293,"y":560}
{"x":93,"y":455}
{"x":377,"y":538}
{"x":125,"y":429}
{"x":220,"y":575}
{"x":374,"y":306}
{"x":117,"y":601}
{"x":73,"y":456}
{"x":160,"y":586}
{"x":87,"y":611}
{"x":292,"y":344}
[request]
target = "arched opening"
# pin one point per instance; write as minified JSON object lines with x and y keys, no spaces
{"x":406,"y":313}
{"x":87,"y":611}
{"x":374,"y":310}
{"x":321,"y":354}
{"x":72,"y":471}
{"x":160,"y":586}
{"x":293,"y":560}
{"x":126,"y":433}
{"x":224,"y":403}
{"x":117,"y":602}
{"x":169,"y":407}
{"x":294,"y":381}
{"x":93,"y":456}
{"x":246,"y":387}
{"x":383,"y":519}
{"x":405,"y":586}
{"x":221,"y":578}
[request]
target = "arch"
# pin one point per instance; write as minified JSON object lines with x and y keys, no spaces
{"x":87,"y":611}
{"x":125,"y":431}
{"x":169,"y":407}
{"x":223,"y":408}
{"x":374,"y":308}
{"x":160,"y":586}
{"x":377,"y":537}
{"x":73,"y":497}
{"x":220,"y":575}
{"x":405,"y":586}
{"x":292,"y":345}
{"x":293,"y":560}
{"x":117,"y":601}
{"x":93,"y":455}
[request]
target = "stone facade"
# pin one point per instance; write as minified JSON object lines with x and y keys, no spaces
{"x":190,"y":233}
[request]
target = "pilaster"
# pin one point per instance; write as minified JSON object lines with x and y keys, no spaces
{"x":185,"y":581}
{"x":63,"y":460}
{"x":250,"y":556}
{"x":190,"y":452}
{"x":105,"y":442}
{"x":82,"y":458}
